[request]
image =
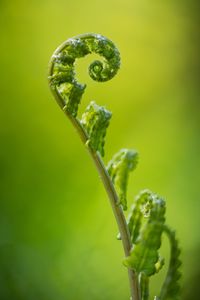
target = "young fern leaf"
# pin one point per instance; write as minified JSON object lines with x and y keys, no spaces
{"x":171,"y":286}
{"x":118,"y":168}
{"x":135,"y":217}
{"x":92,"y":128}
{"x":141,"y":242}
{"x":144,"y":255}
{"x":95,"y":120}
{"x":66,"y":89}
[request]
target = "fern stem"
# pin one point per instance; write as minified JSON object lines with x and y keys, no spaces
{"x":109,"y":187}
{"x":117,"y":210}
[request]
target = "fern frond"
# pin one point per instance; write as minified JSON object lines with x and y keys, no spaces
{"x":67,"y":90}
{"x":140,"y":208}
{"x":95,"y":120}
{"x":171,"y":286}
{"x":144,"y":255}
{"x":141,"y":234}
{"x":118,"y":168}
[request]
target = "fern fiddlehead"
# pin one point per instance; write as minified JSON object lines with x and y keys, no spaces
{"x":68,"y":93}
{"x":62,"y":67}
{"x":140,"y":242}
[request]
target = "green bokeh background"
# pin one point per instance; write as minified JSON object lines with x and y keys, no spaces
{"x":57,"y":231}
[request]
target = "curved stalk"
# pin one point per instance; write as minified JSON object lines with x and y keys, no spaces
{"x":112,"y":195}
{"x":99,"y":72}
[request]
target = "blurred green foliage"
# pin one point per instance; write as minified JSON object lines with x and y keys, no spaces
{"x":57,"y":232}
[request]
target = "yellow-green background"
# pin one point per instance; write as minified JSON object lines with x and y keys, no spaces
{"x":57,"y":231}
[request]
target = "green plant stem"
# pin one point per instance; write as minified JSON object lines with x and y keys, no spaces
{"x":109,"y":187}
{"x":117,"y":210}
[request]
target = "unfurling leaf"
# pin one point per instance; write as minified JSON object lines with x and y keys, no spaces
{"x":66,"y":89}
{"x":95,"y":120}
{"x":171,"y":286}
{"x":141,"y":234}
{"x":144,"y":255}
{"x":118,"y":168}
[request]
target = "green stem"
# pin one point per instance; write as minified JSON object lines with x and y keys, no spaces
{"x":110,"y":189}
{"x":117,"y":210}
